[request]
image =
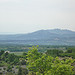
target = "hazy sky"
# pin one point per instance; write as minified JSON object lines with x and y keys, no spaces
{"x":24,"y":16}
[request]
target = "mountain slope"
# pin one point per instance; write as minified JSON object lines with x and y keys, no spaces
{"x":43,"y":37}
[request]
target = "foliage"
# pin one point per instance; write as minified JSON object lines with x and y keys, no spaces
{"x":47,"y":65}
{"x":10,"y":58}
{"x":24,"y":71}
{"x":35,"y":63}
{"x":9,"y":68}
{"x":20,"y":71}
{"x":69,"y":53}
{"x":54,"y":52}
{"x":1,"y":52}
{"x":33,"y":54}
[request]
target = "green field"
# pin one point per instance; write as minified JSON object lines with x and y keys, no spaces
{"x":17,"y":53}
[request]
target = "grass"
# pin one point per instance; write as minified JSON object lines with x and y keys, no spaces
{"x":18,"y":53}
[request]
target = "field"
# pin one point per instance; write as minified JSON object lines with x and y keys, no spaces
{"x":26,"y":48}
{"x":17,"y":53}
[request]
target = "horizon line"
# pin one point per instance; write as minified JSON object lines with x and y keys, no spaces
{"x":15,"y":33}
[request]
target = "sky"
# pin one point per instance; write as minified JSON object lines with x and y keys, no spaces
{"x":25,"y":16}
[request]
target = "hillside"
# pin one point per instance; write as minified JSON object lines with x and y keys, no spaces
{"x":41,"y":37}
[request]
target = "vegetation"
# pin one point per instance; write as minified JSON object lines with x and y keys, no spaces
{"x":47,"y":65}
{"x":53,"y":61}
{"x":70,"y":52}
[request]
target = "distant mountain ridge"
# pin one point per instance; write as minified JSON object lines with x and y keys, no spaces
{"x":41,"y":37}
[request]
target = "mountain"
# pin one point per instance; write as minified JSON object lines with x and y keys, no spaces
{"x":41,"y":37}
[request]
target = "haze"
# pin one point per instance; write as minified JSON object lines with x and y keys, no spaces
{"x":24,"y":16}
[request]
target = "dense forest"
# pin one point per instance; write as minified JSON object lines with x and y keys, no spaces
{"x":53,"y":60}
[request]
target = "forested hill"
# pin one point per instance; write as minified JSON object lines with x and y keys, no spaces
{"x":41,"y":37}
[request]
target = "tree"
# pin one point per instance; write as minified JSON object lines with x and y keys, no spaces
{"x":69,"y":51}
{"x":9,"y":68}
{"x":1,"y":52}
{"x":47,"y":65}
{"x":24,"y":71}
{"x":20,"y":71}
{"x":33,"y":54}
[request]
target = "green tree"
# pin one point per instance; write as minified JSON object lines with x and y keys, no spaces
{"x":1,"y":52}
{"x":47,"y":65}
{"x":33,"y":54}
{"x":9,"y":68}
{"x":20,"y":71}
